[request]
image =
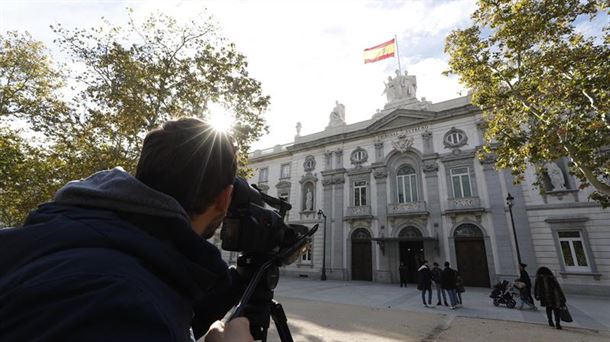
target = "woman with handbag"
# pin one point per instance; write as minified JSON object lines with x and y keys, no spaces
{"x":548,"y":292}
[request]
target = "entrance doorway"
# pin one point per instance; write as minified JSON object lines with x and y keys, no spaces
{"x":411,"y":251}
{"x":471,"y":255}
{"x":362,"y":262}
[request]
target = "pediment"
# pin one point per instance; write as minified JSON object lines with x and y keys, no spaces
{"x":399,"y":118}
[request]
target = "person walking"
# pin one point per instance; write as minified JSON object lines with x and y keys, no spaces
{"x":459,"y":288}
{"x":448,"y":281}
{"x":550,"y":295}
{"x":525,"y":292}
{"x":402,"y":271}
{"x":424,"y":283}
{"x":436,"y":277}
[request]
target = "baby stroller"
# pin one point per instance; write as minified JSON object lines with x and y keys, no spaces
{"x":503,"y":294}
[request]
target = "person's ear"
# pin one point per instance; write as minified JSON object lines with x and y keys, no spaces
{"x":223,"y":200}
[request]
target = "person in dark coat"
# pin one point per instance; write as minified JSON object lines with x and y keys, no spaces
{"x":402,"y":271}
{"x":424,"y":283}
{"x":436,"y":278}
{"x":459,"y":288}
{"x":121,"y":258}
{"x":550,"y":295}
{"x":526,"y":292}
{"x":448,"y":281}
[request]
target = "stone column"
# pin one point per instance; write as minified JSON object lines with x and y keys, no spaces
{"x":327,"y":207}
{"x":505,"y":250}
{"x":434,"y":206}
{"x":380,"y":173}
{"x":379,"y":151}
{"x":338,"y":236}
{"x":328,"y":160}
{"x":338,"y":158}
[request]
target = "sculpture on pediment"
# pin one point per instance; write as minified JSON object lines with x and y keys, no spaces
{"x":337,"y":116}
{"x":400,"y":87}
{"x":402,"y":143}
{"x":555,"y":176}
{"x":299,"y":126}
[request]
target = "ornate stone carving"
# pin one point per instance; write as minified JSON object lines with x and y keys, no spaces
{"x":555,"y":176}
{"x":427,"y":135}
{"x":338,"y":179}
{"x":402,"y":143}
{"x":359,"y":157}
{"x":380,"y":173}
{"x":338,"y":158}
{"x":430,"y":165}
{"x":337,"y":116}
{"x":326,"y":181}
{"x":310,"y":163}
{"x":299,"y":126}
{"x":455,"y":138}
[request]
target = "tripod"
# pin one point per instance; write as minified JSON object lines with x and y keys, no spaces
{"x":257,"y":302}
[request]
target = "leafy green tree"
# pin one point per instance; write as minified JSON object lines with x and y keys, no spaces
{"x":137,"y":77}
{"x":543,"y":86}
{"x":124,"y":82}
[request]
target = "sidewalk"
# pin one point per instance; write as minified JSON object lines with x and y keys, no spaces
{"x":588,"y":312}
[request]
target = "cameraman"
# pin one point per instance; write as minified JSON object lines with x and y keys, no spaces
{"x":122,"y":258}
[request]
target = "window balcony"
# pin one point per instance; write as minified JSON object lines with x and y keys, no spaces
{"x":464,"y":204}
{"x":363,"y":211}
{"x":408,"y":209}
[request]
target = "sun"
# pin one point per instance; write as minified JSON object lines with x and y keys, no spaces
{"x":220,"y":120}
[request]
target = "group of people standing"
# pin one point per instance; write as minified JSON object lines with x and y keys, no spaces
{"x":447,"y":282}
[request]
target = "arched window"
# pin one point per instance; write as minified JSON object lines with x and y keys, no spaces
{"x":406,"y":184}
{"x":410,"y":233}
{"x":467,"y":230}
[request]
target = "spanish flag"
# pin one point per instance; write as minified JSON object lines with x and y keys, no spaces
{"x":379,"y":52}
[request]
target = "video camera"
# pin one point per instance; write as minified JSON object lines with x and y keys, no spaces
{"x":251,"y":228}
{"x":266,"y":242}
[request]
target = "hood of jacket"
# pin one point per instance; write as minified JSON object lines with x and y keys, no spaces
{"x":422,"y":267}
{"x":87,"y":214}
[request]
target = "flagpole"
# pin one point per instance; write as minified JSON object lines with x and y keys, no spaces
{"x":397,"y":54}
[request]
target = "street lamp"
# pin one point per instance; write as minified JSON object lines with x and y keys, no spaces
{"x":509,"y":202}
{"x":320,"y":215}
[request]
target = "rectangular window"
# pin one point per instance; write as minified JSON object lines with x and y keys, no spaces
{"x":573,"y":251}
{"x":460,"y":178}
{"x":263,"y":174}
{"x":407,"y":188}
{"x":359,"y":193}
{"x":306,"y":257}
{"x":285,"y":171}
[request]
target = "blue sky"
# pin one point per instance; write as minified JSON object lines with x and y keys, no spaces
{"x":307,"y":54}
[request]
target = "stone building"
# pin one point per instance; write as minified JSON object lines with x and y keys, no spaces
{"x":406,"y":186}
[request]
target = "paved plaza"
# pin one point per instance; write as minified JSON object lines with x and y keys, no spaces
{"x":588,"y":312}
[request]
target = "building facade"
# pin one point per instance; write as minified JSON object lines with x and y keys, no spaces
{"x":407,"y":186}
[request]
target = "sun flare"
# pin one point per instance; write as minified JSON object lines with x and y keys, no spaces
{"x":221,"y":121}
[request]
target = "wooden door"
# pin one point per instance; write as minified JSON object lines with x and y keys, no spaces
{"x":362,"y":262}
{"x":412,"y":254}
{"x":472,"y":261}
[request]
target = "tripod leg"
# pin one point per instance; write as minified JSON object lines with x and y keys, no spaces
{"x":281,"y":322}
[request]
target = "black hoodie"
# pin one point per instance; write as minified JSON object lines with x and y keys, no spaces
{"x":110,"y":259}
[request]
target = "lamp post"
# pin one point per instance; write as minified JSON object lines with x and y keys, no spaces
{"x":320,"y":215}
{"x":509,"y":202}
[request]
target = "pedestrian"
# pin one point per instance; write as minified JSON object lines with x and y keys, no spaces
{"x":525,"y":292}
{"x":402,"y":271}
{"x":459,"y":288}
{"x":424,"y":283}
{"x":548,"y":292}
{"x":448,"y":281}
{"x":436,"y":277}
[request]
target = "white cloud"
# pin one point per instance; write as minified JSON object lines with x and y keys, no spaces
{"x":307,"y":54}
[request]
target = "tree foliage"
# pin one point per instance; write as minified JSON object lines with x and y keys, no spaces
{"x":124,"y":81}
{"x":543,"y":85}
